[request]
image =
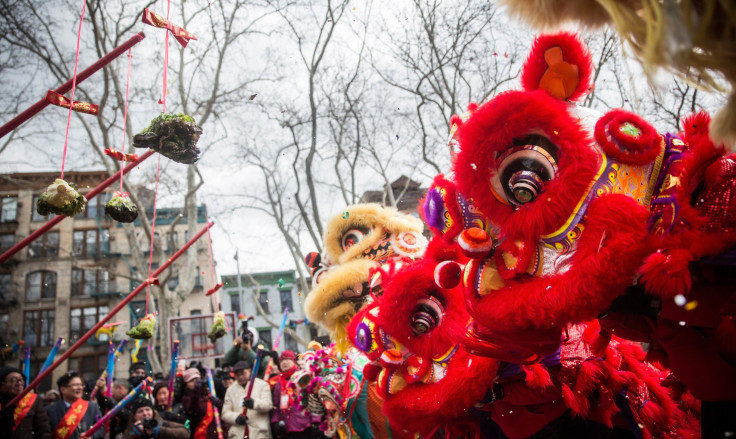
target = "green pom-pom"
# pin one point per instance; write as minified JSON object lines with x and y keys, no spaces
{"x":61,"y":198}
{"x":121,"y":209}
{"x":144,"y":329}
{"x":173,"y":135}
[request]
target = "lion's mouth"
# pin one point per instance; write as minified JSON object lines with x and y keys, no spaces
{"x":358,"y":295}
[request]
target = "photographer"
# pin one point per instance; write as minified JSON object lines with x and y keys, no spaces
{"x":242,"y":347}
{"x":146,"y":423}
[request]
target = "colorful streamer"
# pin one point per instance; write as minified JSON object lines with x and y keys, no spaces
{"x":136,"y":349}
{"x":218,"y":423}
{"x":110,"y":367}
{"x":114,"y":411}
{"x":27,"y":364}
{"x":50,"y":359}
{"x":172,"y":373}
{"x":281,"y":329}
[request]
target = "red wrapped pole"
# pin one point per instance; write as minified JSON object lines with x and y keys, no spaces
{"x":58,"y":218}
{"x":65,"y":87}
{"x":123,"y":303}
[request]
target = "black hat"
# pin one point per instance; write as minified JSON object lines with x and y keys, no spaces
{"x":139,"y":402}
{"x":240,"y":365}
{"x":7,"y":370}
{"x":137,"y":365}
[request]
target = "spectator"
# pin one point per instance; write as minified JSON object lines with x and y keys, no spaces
{"x":160,"y":401}
{"x":287,"y":418}
{"x":106,"y":403}
{"x":227,"y":378}
{"x":51,"y":397}
{"x":259,"y":404}
{"x":240,"y":351}
{"x":32,"y":422}
{"x":119,"y":390}
{"x":138,"y":373}
{"x":71,"y":412}
{"x":146,"y":423}
{"x":197,"y":404}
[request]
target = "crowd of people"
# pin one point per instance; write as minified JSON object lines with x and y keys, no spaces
{"x":73,"y":407}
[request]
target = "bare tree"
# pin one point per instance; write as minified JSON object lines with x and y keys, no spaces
{"x":206,"y":90}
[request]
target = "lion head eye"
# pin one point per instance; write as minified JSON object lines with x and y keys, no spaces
{"x":427,"y":315}
{"x":353,"y":237}
{"x":524,"y":169}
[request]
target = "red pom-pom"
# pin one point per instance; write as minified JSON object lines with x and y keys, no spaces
{"x":371,"y":370}
{"x":447,"y":274}
{"x":475,"y":242}
{"x":667,"y":273}
{"x":560,"y":64}
{"x":312,"y":259}
{"x":628,"y":138}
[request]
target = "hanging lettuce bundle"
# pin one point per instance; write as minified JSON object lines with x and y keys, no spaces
{"x":121,"y":209}
{"x":173,"y":135}
{"x":218,"y":327}
{"x":144,"y":329}
{"x":61,"y":198}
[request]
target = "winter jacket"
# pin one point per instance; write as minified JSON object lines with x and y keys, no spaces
{"x":164,"y":430}
{"x":194,"y":403}
{"x":295,"y":418}
{"x":57,"y":410}
{"x":258,"y":416}
{"x":34,"y":425}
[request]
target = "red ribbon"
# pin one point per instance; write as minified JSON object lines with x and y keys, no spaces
{"x":212,"y":291}
{"x":155,"y":20}
{"x":117,"y":155}
{"x":59,"y":100}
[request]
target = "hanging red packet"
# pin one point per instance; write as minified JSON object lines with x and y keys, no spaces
{"x":155,"y":20}
{"x":59,"y":100}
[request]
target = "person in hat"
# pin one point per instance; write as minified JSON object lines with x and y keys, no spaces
{"x":72,"y":415}
{"x":138,"y":373}
{"x":160,"y":401}
{"x":259,"y":404}
{"x":28,"y":417}
{"x":198,"y":404}
{"x":287,"y":418}
{"x":146,"y":423}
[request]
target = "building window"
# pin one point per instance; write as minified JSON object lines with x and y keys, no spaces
{"x":96,"y":206}
{"x":4,"y":336}
{"x":46,"y":246}
{"x":5,"y":290}
{"x":46,"y":382}
{"x":286,"y":300}
{"x":34,"y":213}
{"x":263,"y":300}
{"x":9,"y":210}
{"x":90,"y":243}
{"x":89,"y":282}
{"x":291,"y":342}
{"x":198,"y":279}
{"x":40,"y":285}
{"x":38,"y":328}
{"x":6,"y":241}
{"x":169,"y":246}
{"x":83,"y":319}
{"x":235,"y":303}
{"x":89,"y":367}
{"x":264,"y":338}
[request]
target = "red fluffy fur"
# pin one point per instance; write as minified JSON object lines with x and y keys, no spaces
{"x":421,"y":407}
{"x":574,"y":52}
{"x":492,"y":129}
{"x":608,"y":253}
{"x":641,"y":151}
{"x":684,"y":243}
